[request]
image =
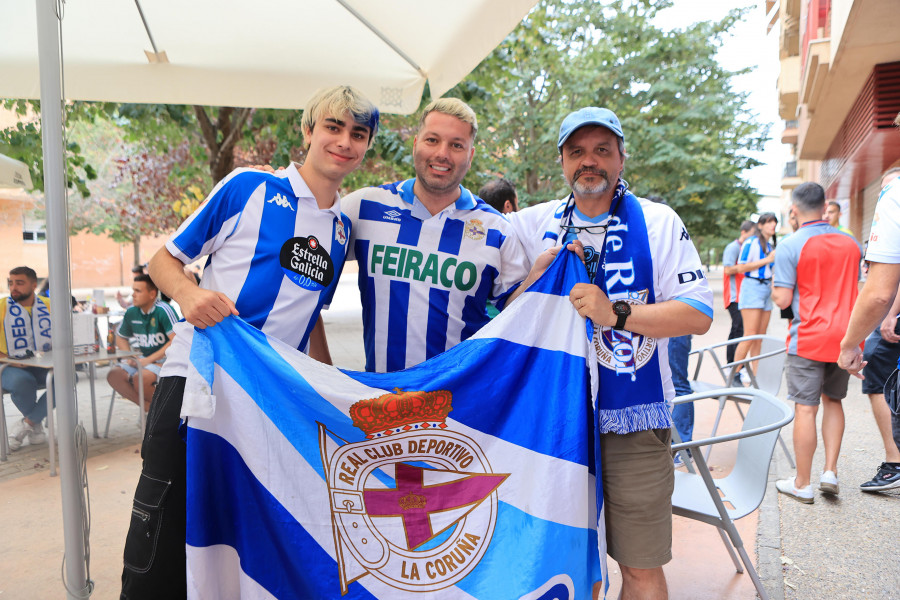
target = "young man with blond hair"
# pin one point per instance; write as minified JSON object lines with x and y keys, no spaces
{"x":276,"y":245}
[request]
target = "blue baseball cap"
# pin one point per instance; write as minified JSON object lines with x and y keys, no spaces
{"x":589,"y":115}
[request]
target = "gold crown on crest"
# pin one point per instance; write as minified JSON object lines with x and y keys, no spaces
{"x":400,"y":411}
{"x":411,"y":501}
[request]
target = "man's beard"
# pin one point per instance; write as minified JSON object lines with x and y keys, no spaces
{"x":590,"y":190}
{"x":18,"y":297}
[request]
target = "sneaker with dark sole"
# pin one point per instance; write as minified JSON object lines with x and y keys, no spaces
{"x":887,"y":478}
{"x":788,"y":488}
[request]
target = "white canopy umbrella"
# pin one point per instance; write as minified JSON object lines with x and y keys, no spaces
{"x":272,"y":54}
{"x":14,"y":173}
{"x":222,"y":53}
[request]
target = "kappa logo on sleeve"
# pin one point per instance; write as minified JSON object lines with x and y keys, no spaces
{"x":414,"y":505}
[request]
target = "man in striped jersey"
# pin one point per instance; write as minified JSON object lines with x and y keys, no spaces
{"x":275,"y":245}
{"x":430,"y":252}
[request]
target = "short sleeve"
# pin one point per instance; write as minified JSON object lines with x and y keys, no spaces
{"x":884,"y":239}
{"x":730,"y":256}
{"x":514,"y":267}
{"x":124,"y":329}
{"x":785,"y":267}
{"x":209,"y":226}
{"x":165,"y":322}
{"x":680,"y":275}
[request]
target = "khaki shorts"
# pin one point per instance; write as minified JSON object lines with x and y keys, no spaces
{"x":808,"y":379}
{"x":638,"y":480}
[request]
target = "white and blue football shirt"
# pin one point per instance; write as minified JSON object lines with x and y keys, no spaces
{"x":424,"y":280}
{"x":752,"y":251}
{"x":677,"y":269}
{"x":270,"y":249}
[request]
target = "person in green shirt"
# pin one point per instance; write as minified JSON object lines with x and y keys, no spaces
{"x":149,"y":323}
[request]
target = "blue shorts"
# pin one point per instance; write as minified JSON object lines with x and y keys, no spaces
{"x":755,"y":293}
{"x":152,"y":367}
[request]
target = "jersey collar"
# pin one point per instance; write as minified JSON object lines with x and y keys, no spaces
{"x":815,"y":222}
{"x":304,"y":194}
{"x":466,"y":200}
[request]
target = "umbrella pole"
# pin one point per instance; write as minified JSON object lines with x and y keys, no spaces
{"x":48,"y":23}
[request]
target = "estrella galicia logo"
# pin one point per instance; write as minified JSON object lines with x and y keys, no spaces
{"x":306,"y":263}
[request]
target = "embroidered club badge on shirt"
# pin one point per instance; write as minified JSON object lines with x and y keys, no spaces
{"x":475,"y":229}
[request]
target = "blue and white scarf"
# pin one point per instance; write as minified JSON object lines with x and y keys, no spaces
{"x":631,"y":394}
{"x":26,"y":331}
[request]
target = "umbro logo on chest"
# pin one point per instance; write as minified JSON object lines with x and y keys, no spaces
{"x":280,"y":200}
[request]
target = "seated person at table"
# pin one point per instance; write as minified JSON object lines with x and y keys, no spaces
{"x":150,"y":323}
{"x":25,"y":330}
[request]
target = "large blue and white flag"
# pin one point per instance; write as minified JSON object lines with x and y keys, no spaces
{"x":472,"y":475}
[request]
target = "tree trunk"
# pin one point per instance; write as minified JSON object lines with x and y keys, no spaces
{"x":137,"y":251}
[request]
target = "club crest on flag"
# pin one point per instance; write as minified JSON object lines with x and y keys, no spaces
{"x":623,"y":351}
{"x":414,"y":504}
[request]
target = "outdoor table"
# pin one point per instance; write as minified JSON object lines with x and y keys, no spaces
{"x":45,"y":361}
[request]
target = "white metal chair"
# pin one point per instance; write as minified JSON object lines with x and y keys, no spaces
{"x":767,"y":377}
{"x":722,"y":501}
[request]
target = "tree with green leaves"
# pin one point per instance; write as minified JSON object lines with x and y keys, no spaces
{"x":687,"y":131}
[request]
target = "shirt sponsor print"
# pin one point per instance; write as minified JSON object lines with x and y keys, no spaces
{"x":415,"y":504}
{"x":408,"y":263}
{"x":306,"y":263}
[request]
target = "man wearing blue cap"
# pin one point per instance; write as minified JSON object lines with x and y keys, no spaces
{"x":647,"y":285}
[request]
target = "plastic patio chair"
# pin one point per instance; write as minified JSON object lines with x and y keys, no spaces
{"x":722,"y":501}
{"x":770,"y":368}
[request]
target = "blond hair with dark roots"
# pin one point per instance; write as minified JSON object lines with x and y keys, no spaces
{"x":453,"y":107}
{"x":335,"y":102}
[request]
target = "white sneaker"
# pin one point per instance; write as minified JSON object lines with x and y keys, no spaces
{"x":745,"y":378}
{"x":37,"y":435}
{"x":20,"y":432}
{"x":828,"y":483}
{"x":804,"y":495}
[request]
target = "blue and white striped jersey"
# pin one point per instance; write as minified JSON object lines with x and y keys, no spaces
{"x":424,"y":280}
{"x":752,"y":251}
{"x":270,"y":249}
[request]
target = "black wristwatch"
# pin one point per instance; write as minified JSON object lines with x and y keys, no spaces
{"x":622,"y":309}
